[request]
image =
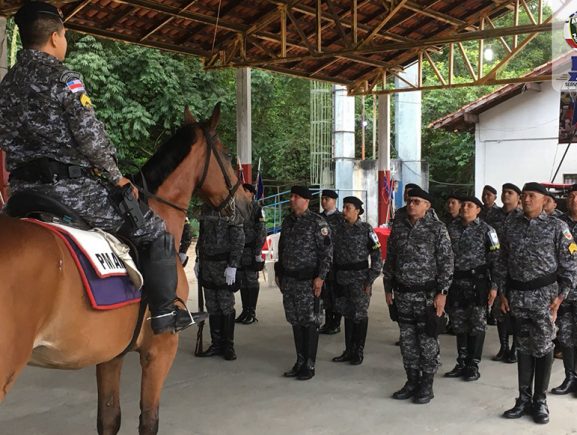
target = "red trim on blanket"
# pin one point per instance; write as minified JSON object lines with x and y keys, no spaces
{"x":85,"y":282}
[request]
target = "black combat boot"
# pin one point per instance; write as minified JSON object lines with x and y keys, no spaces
{"x":458,"y":370}
{"x":425,"y":392}
{"x":540,"y":410}
{"x":503,"y":340}
{"x":311,"y":344}
{"x":475,"y":351}
{"x":359,"y":338}
{"x":299,"y":338}
{"x":410,"y":387}
{"x":228,"y":336}
{"x":348,"y":353}
{"x":570,"y":383}
{"x":332,"y":323}
{"x":216,"y":336}
{"x":252,"y":299}
{"x":160,"y":281}
{"x":511,"y":357}
{"x":525,"y":370}
{"x":244,"y":297}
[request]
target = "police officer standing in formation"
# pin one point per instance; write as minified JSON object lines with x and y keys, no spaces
{"x":354,"y":242}
{"x":476,"y":249}
{"x":538,"y":258}
{"x":251,"y":262}
{"x":489,"y":196}
{"x":453,"y":208}
{"x":334,"y":218}
{"x":218,"y":254}
{"x":567,"y":314}
{"x":55,"y":146}
{"x":551,"y":205}
{"x":510,"y":196}
{"x":305,"y":255}
{"x":417,"y":276}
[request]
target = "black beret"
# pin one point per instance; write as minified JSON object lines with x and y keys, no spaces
{"x":410,"y":186}
{"x":472,"y":199}
{"x":249,"y":187}
{"x":354,"y":201}
{"x":490,"y":189}
{"x":330,"y":193}
{"x":302,"y":191}
{"x":32,"y":10}
{"x":419,"y":193}
{"x":535,"y":187}
{"x":511,"y":186}
{"x":456,"y":196}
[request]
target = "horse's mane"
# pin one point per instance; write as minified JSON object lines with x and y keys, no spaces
{"x":169,"y":156}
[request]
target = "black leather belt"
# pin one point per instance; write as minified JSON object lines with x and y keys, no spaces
{"x":429,"y":286}
{"x":477,"y":272}
{"x":534,"y":284}
{"x":48,"y":171}
{"x":361,"y":265}
{"x":300,"y":274}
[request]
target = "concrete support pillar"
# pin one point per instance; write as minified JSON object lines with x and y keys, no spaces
{"x":344,"y":140}
{"x":244,"y":121}
{"x":384,"y":161}
{"x":3,"y":70}
{"x":408,"y":128}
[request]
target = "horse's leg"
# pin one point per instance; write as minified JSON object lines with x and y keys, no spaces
{"x":15,"y":355}
{"x":156,"y":358}
{"x":108,"y":378}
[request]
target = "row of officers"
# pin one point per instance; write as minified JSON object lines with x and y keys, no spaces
{"x":518,"y":260}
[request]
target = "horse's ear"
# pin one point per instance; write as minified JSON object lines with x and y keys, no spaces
{"x":215,"y":117}
{"x":188,"y":118}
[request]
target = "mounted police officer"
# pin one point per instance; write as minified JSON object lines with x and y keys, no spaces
{"x":354,"y":242}
{"x":417,"y":275}
{"x":510,"y":195}
{"x":567,"y":314}
{"x":56,"y":147}
{"x":305,"y":255}
{"x":538,"y":258}
{"x":334,"y":218}
{"x":219,"y":249}
{"x":476,"y":249}
{"x":251,"y":262}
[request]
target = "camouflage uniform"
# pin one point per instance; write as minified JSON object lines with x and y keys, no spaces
{"x":220,"y":245}
{"x":567,"y":316}
{"x":255,"y":236}
{"x":538,"y":260}
{"x":419,"y":257}
{"x":476,"y":248}
{"x":55,"y":146}
{"x":353,"y":244}
{"x":304,"y":245}
{"x":488,"y":214}
{"x":332,"y":315}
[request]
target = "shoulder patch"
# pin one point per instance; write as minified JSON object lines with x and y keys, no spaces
{"x":493,"y":240}
{"x":572,"y":248}
{"x":75,"y":86}
{"x":375,"y":239}
{"x":68,"y":76}
{"x":567,"y":234}
{"x":85,"y":101}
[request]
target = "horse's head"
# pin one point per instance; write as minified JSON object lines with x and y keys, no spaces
{"x":217,"y":182}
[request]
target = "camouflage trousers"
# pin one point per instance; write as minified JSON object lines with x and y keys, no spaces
{"x":328,"y":295}
{"x":299,"y":302}
{"x":355,"y":304}
{"x":471,"y":320}
{"x":419,"y":350}
{"x":219,"y":301}
{"x":248,"y":278}
{"x":567,"y":324}
{"x":534,"y":327}
{"x":90,"y":199}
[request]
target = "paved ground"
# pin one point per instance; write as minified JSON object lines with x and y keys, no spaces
{"x":249,"y":396}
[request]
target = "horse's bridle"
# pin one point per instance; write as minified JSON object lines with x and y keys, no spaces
{"x":228,"y":205}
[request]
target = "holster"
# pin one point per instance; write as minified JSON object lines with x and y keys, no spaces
{"x":128,"y":206}
{"x":393,"y":311}
{"x":433,"y":323}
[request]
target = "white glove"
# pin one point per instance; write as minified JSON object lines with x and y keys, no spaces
{"x":258,"y":258}
{"x":196,"y":269}
{"x":230,"y":275}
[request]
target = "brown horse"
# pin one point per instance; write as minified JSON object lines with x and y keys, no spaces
{"x":45,"y":319}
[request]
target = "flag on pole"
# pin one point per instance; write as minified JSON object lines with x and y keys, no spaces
{"x":259,"y":184}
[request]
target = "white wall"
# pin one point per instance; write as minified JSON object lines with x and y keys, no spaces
{"x":516,"y":141}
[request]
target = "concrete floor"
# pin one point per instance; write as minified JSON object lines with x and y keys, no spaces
{"x":249,"y":396}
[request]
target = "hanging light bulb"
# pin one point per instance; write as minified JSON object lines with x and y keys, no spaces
{"x":488,"y":54}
